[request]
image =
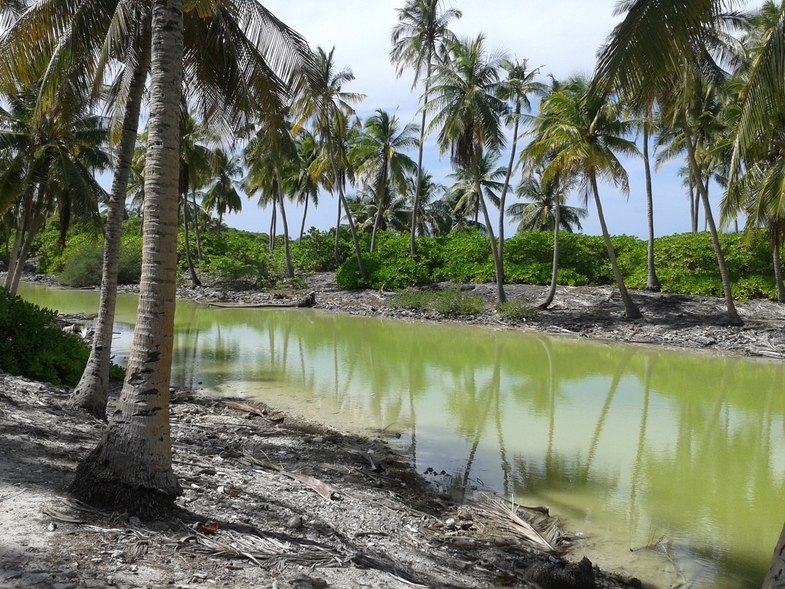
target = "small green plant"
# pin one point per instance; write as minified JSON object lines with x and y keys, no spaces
{"x":413,"y":299}
{"x":451,"y":302}
{"x":516,"y":310}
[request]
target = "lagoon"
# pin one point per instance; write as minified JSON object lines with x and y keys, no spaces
{"x":669,"y":465}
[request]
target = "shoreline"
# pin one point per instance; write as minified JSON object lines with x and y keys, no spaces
{"x":670,"y":321}
{"x":269,"y":501}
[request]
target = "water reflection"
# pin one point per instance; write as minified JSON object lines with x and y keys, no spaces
{"x":634,"y":447}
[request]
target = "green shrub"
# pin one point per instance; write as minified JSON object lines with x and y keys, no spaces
{"x":34,"y":347}
{"x":451,"y":302}
{"x":84,"y":266}
{"x":516,"y":310}
{"x":465,"y":257}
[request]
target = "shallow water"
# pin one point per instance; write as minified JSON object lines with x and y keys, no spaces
{"x":629,"y":446}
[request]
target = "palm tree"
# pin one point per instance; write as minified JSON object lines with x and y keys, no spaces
{"x":515,"y":89}
{"x":419,"y":39}
{"x":240,"y":55}
{"x":468,"y":115}
{"x":266,"y":157}
{"x":91,"y":393}
{"x":433,"y":215}
{"x":324,"y":102}
{"x":757,"y":169}
{"x":538,"y":212}
{"x":464,"y":195}
{"x":378,"y":158}
{"x":131,"y":467}
{"x":50,"y":160}
{"x":301,"y":183}
{"x":660,"y":43}
{"x":580,"y":134}
{"x":222,"y":196}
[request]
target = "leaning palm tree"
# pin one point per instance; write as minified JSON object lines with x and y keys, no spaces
{"x":379,"y":160}
{"x":257,"y":57}
{"x":468,"y":115}
{"x":654,"y":46}
{"x":323,"y":102}
{"x":420,"y":39}
{"x":579,"y":133}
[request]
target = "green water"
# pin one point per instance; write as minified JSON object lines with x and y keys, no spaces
{"x":629,"y":446}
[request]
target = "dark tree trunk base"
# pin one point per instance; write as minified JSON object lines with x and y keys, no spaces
{"x":93,"y":487}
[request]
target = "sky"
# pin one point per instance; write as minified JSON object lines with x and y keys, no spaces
{"x":561,"y":36}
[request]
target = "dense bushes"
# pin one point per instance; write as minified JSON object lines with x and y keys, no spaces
{"x":685,"y":263}
{"x":32,"y":345}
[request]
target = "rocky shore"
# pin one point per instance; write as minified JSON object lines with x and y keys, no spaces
{"x":670,"y":320}
{"x":269,"y":501}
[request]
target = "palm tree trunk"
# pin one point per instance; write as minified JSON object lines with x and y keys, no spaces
{"x":733,"y":316}
{"x":652,"y":282}
{"x":131,"y":468}
{"x":778,"y":272}
{"x":36,"y":219}
{"x":336,"y":252}
{"x":92,"y":392}
{"x":555,"y":265}
{"x":416,"y":203}
{"x":501,"y":296}
{"x":694,"y":205}
{"x":305,"y":215}
{"x":775,"y":578}
{"x":631,"y":310}
{"x":352,"y":228}
{"x":381,"y":190}
{"x":17,"y":246}
{"x":287,"y":252}
{"x":508,"y":175}
{"x":196,"y":226}
{"x":273,"y":229}
{"x":187,"y":240}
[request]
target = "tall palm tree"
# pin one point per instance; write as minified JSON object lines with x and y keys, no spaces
{"x":379,"y":160}
{"x":302,"y":179}
{"x":581,"y":133}
{"x":241,"y":55}
{"x":131,"y":467}
{"x":757,"y":169}
{"x":419,"y":39}
{"x":91,"y":393}
{"x":468,"y":115}
{"x":654,"y":46}
{"x":324,"y":103}
{"x":266,"y":157}
{"x":515,"y":89}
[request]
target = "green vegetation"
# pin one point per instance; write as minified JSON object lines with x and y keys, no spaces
{"x":516,"y":310}
{"x":450,"y":302}
{"x":685,"y":262}
{"x":35,"y":347}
